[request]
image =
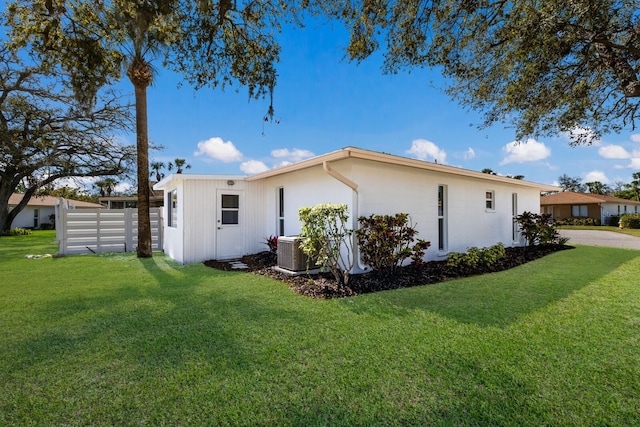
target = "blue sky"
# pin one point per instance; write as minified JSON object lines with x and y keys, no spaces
{"x":324,"y":103}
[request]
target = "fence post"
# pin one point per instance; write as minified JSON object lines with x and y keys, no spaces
{"x":98,"y":233}
{"x":160,"y":230}
{"x":128,"y":229}
{"x":61,"y":225}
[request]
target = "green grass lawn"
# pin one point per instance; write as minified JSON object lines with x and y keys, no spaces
{"x":114,"y":340}
{"x":629,"y":231}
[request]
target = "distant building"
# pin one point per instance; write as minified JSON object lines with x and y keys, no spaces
{"x":568,"y":204}
{"x":40,"y":209}
{"x":156,"y":200}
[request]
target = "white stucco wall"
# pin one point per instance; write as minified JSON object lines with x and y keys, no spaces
{"x":25,"y":218}
{"x":390,"y":189}
{"x":302,"y":188}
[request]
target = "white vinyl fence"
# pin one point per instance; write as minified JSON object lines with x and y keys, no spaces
{"x":85,"y":231}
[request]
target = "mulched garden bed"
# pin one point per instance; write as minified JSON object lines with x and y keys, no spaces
{"x":323,"y":285}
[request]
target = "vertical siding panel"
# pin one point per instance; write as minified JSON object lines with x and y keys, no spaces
{"x":255,"y":221}
{"x":199,"y":220}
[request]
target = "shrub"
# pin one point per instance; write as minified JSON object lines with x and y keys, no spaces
{"x":17,"y":232}
{"x":579,"y":221}
{"x":476,"y":258}
{"x":272,"y":243}
{"x":417,"y":252}
{"x":630,"y":221}
{"x":327,"y":239}
{"x":385,"y":241}
{"x":46,"y":226}
{"x":538,"y":229}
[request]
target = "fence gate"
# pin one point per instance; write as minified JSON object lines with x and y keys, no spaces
{"x":83,"y":231}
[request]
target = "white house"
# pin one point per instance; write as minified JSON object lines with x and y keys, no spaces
{"x":222,"y":217}
{"x":39,"y":210}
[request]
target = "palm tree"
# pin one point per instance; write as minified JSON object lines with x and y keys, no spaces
{"x":136,"y":19}
{"x":179,"y":164}
{"x":155,"y":170}
{"x":101,"y":187}
{"x":106,"y":186}
{"x":212,"y":44}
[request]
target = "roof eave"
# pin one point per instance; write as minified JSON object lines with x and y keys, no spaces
{"x":397,"y":160}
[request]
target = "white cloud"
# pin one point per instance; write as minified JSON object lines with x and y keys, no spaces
{"x":424,"y":149}
{"x":253,"y":166}
{"x":522,"y":152}
{"x":216,"y":148}
{"x":292,"y":156}
{"x":635,"y":163}
{"x":283,"y":163}
{"x":596,"y":176}
{"x":469,"y":154}
{"x":613,"y":152}
{"x":635,"y":137}
{"x":123,"y":187}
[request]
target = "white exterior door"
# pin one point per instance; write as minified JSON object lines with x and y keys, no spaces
{"x":230,"y":224}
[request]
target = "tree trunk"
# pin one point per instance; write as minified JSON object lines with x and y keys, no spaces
{"x":142,"y":144}
{"x":5,"y":193}
{"x":6,"y":217}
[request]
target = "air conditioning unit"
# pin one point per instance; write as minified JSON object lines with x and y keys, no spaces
{"x":290,"y":255}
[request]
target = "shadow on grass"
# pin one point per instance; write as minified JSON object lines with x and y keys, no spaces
{"x":499,"y":299}
{"x":161,"y":324}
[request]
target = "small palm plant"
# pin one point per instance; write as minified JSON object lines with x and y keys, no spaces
{"x":156,"y":167}
{"x":179,"y":165}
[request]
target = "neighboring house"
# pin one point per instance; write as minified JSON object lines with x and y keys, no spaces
{"x":222,"y":217}
{"x":122,"y":202}
{"x":40,"y":208}
{"x":156,"y":200}
{"x":568,"y":204}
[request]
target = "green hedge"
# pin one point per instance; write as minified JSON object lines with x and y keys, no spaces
{"x":579,"y":221}
{"x":630,"y":221}
{"x":17,"y":232}
{"x":477,"y":257}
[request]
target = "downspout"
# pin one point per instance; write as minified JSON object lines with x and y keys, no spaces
{"x":355,"y":201}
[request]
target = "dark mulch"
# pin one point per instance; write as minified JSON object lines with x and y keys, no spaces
{"x":323,"y":285}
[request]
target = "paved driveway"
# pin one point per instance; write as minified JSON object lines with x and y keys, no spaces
{"x":601,"y":238}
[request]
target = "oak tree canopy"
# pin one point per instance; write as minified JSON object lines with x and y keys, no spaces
{"x":541,"y":66}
